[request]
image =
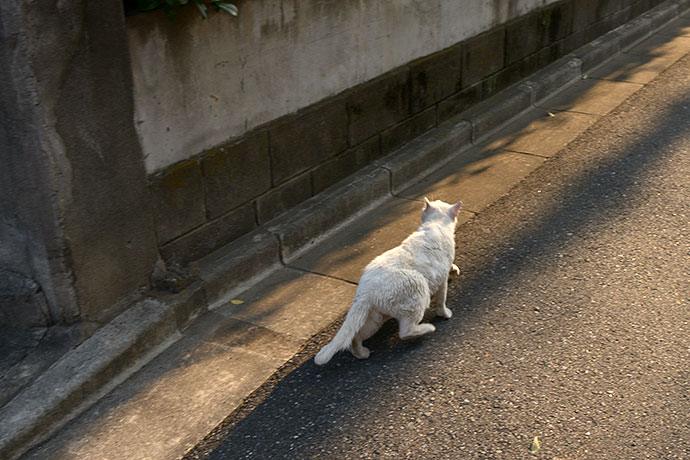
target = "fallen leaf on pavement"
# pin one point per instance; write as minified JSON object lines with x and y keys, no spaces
{"x":535,"y":445}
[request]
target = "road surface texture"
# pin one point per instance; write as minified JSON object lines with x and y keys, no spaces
{"x":571,"y":323}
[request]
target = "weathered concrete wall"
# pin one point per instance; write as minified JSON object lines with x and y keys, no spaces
{"x":199,"y":83}
{"x":239,"y":119}
{"x":31,"y":238}
{"x":359,"y":79}
{"x":75,"y":214}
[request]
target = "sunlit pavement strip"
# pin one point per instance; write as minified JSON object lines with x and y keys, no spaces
{"x":175,"y":400}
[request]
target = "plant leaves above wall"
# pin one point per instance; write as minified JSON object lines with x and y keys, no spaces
{"x":227,"y":7}
{"x":172,"y":5}
{"x":202,"y":9}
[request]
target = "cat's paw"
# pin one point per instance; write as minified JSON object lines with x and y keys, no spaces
{"x":416,"y":331}
{"x":361,"y":352}
{"x":454,"y":271}
{"x":426,"y":328}
{"x":444,"y":313}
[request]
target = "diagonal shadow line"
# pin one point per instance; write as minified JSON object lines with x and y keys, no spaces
{"x":594,"y":196}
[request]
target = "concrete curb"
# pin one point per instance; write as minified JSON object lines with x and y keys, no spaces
{"x":419,"y":157}
{"x":491,"y":114}
{"x":558,"y":75}
{"x":152,"y":324}
{"x":313,"y":220}
{"x":238,"y":265}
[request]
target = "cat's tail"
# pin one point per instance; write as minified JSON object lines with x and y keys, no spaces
{"x":355,"y":319}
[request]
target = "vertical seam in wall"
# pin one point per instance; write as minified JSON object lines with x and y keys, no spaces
{"x":379,"y":140}
{"x":505,"y":51}
{"x":270,"y":157}
{"x":408,"y":95}
{"x":461,"y":51}
{"x":571,"y":29}
{"x":153,"y":217}
{"x":204,"y":188}
{"x":348,"y":121}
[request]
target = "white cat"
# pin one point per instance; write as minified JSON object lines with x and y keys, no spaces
{"x":400,"y":283}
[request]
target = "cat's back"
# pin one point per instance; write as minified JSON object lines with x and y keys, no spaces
{"x":394,"y":259}
{"x":390,"y":279}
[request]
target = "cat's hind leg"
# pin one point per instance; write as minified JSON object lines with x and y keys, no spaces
{"x":410,"y":329}
{"x":441,"y":309}
{"x":373,"y":324}
{"x":409,"y":319}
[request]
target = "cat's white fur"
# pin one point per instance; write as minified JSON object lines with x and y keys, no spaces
{"x":400,"y":283}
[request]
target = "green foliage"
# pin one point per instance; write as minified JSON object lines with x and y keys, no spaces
{"x":171,"y":6}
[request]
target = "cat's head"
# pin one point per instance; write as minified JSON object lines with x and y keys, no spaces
{"x":440,"y":210}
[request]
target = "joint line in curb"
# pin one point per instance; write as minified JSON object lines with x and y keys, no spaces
{"x":541,"y":107}
{"x":321,"y":274}
{"x":390,"y":179}
{"x":527,"y":153}
{"x":281,"y":259}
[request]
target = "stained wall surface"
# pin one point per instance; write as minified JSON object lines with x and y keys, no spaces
{"x":198,"y":84}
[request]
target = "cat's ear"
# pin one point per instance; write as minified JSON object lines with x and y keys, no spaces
{"x":427,"y":203}
{"x":455,"y":209}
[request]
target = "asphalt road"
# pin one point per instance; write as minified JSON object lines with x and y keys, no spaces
{"x":571,"y":323}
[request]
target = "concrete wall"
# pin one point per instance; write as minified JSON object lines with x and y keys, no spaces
{"x":198,"y":84}
{"x":122,"y":140}
{"x":242,"y":119}
{"x":75,"y":214}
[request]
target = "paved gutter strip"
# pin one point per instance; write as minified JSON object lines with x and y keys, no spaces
{"x":87,"y":372}
{"x":151,"y":325}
